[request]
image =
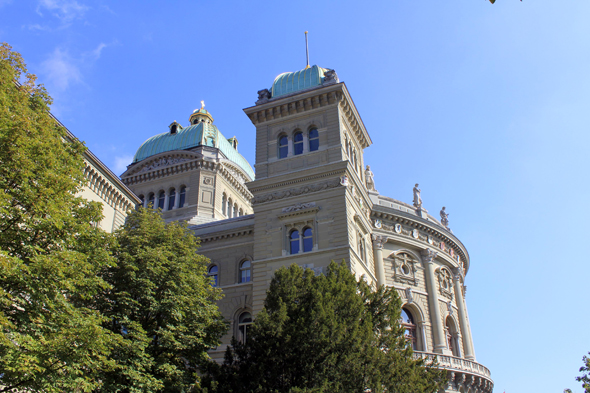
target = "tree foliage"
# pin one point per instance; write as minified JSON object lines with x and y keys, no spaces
{"x":324,"y":334}
{"x":585,"y":377}
{"x":161,"y":303}
{"x":50,"y":254}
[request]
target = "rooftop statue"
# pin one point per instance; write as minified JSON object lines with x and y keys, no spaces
{"x":417,"y":199}
{"x":444,"y":218}
{"x":369,"y":179}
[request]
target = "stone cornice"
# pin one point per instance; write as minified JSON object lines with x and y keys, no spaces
{"x":293,"y":104}
{"x":269,"y":183}
{"x":306,"y":189}
{"x":171,"y":163}
{"x":354,"y":119}
{"x":238,"y":232}
{"x":428,"y":234}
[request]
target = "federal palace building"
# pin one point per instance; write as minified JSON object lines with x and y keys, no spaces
{"x":310,"y":200}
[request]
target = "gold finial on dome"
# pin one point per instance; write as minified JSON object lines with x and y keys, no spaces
{"x":202,"y":104}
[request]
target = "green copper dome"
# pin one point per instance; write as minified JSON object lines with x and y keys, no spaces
{"x":200,"y":134}
{"x":291,"y":82}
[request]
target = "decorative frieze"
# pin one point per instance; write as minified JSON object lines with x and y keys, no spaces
{"x":332,"y":183}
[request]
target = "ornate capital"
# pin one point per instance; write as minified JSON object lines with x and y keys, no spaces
{"x":378,"y":241}
{"x":428,"y":254}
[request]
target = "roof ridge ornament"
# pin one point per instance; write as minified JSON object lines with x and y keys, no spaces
{"x":202,"y":104}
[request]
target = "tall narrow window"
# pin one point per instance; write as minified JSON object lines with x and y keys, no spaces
{"x":244,"y":322}
{"x":294,"y":242}
{"x":452,"y":337}
{"x":410,"y":327}
{"x":314,"y":139}
{"x":235,"y":213}
{"x":307,"y":240}
{"x":213,"y":271}
{"x":161,"y":199}
{"x":182,"y":196}
{"x":298,"y":143}
{"x":283,"y":146}
{"x":241,"y":212}
{"x":229,"y":208}
{"x":151,"y":200}
{"x":171,"y":199}
{"x":361,"y":247}
{"x":245,"y":271}
{"x":224,"y":204}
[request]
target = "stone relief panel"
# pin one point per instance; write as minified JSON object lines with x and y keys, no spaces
{"x":404,"y":268}
{"x":445,"y":282}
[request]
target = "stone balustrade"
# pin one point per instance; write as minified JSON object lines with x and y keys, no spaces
{"x":456,"y":364}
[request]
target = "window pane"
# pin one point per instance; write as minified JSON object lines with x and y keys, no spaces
{"x":307,"y":244}
{"x":182,"y":196}
{"x":171,"y":199}
{"x":294,"y":242}
{"x":245,"y":277}
{"x":283,"y":147}
{"x":161,"y":200}
{"x":314,"y":144}
{"x":245,"y":264}
{"x":298,"y":148}
{"x":245,"y":318}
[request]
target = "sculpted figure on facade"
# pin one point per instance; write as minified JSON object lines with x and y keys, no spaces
{"x":444,"y":218}
{"x":417,"y":198}
{"x":369,"y":179}
{"x":263,"y":96}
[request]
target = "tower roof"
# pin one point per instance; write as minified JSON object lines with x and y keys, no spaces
{"x":201,"y":134}
{"x":291,"y":82}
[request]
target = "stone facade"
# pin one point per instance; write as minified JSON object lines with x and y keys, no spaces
{"x":312,"y":202}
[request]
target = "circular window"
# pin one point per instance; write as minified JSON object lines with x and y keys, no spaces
{"x":405,"y":269}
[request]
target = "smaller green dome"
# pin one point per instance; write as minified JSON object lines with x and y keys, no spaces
{"x":291,"y":82}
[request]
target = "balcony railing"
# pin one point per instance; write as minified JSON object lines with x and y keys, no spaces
{"x":454,"y":363}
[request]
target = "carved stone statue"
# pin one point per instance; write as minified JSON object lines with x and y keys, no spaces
{"x":263,"y":96}
{"x":444,"y":218}
{"x":417,"y":198}
{"x":330,"y":78}
{"x":369,"y":179}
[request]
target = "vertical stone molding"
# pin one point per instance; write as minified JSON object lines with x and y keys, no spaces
{"x":440,"y":344}
{"x":378,"y":242}
{"x":465,"y":330}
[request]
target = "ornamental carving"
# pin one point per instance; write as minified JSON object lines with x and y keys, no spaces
{"x":378,"y":241}
{"x":296,"y":191}
{"x":297,"y":207}
{"x":404,"y":268}
{"x":161,"y":163}
{"x":445,"y":283}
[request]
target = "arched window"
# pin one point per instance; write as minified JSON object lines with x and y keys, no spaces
{"x":283,"y":146}
{"x":171,"y":199}
{"x":361,"y":247}
{"x":298,"y":143}
{"x":307,"y":240}
{"x":182,"y":196}
{"x":241,"y":212}
{"x":244,"y":322}
{"x":151,"y":199}
{"x":294,"y":241}
{"x":452,"y":337}
{"x":161,"y":199}
{"x":410,"y":326}
{"x":213,"y":272}
{"x":224,"y":204}
{"x":314,"y":139}
{"x":235,"y":213}
{"x":245,"y":271}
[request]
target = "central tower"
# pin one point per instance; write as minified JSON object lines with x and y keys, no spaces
{"x":310,"y":201}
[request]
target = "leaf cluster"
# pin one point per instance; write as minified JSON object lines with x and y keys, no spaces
{"x":324,"y":334}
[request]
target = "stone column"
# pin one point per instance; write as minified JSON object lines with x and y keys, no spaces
{"x":438,"y":332}
{"x":306,"y":142}
{"x":465,"y":331}
{"x":378,"y":242}
{"x":167,"y":195}
{"x":289,"y":146}
{"x":145,"y":201}
{"x":177,"y":197}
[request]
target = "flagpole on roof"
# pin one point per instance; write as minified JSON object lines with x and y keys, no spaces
{"x":306,"y":51}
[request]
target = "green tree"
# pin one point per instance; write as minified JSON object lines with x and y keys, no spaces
{"x":585,"y":377}
{"x":162,"y":304}
{"x":324,"y":334}
{"x":51,"y":337}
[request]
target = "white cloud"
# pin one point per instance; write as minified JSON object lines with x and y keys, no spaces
{"x":64,"y":10}
{"x":121,"y":164}
{"x":61,"y":69}
{"x":97,"y":52}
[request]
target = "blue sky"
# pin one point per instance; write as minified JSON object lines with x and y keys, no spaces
{"x":486,"y":106}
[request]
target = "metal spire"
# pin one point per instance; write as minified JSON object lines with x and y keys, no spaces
{"x":306,"y":51}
